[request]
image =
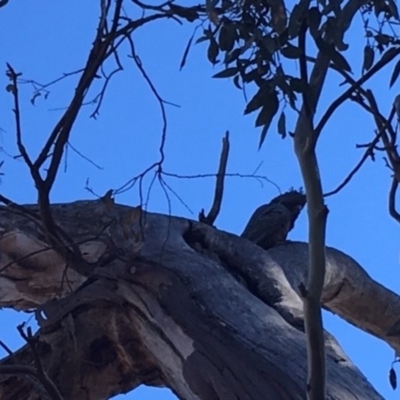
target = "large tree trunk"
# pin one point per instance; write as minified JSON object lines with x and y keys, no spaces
{"x":170,"y":302}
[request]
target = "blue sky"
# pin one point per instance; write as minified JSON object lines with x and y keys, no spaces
{"x":43,"y":40}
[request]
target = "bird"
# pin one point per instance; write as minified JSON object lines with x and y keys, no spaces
{"x":270,"y":223}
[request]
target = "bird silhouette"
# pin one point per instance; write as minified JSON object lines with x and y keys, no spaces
{"x":270,"y":223}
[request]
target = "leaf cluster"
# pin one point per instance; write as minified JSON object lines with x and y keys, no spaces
{"x":254,"y":39}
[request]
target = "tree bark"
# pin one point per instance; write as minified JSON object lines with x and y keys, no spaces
{"x":173,"y":302}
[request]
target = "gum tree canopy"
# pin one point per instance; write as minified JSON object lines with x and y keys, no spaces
{"x":123,"y":296}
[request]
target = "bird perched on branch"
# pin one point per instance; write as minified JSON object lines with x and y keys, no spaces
{"x":270,"y":223}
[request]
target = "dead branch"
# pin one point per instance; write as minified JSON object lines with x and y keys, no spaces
{"x":219,"y":185}
{"x":14,"y":81}
{"x":110,"y":34}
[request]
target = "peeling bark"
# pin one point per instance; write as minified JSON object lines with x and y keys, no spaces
{"x":203,"y":312}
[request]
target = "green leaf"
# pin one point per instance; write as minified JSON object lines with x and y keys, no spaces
{"x":211,"y":4}
{"x":393,"y":378}
{"x":278,"y":15}
{"x":290,"y":51}
{"x":383,"y":39}
{"x":268,"y":110}
{"x":389,"y":54}
{"x":395,"y":74}
{"x":296,"y":16}
{"x":207,"y":35}
{"x":262,"y":136}
{"x":266,"y":114}
{"x":393,"y":9}
{"x":334,"y":55}
{"x":232,"y":56}
{"x":253,"y":75}
{"x":282,"y":81}
{"x":340,"y":61}
{"x":259,"y":99}
{"x":212,"y":52}
{"x":269,"y":43}
{"x":297,"y":85}
{"x":282,"y":125}
{"x":314,"y":21}
{"x":227,"y":36}
{"x":188,"y":13}
{"x":236,"y":82}
{"x":186,"y":52}
{"x":34,"y":97}
{"x":368,"y":58}
{"x":10,"y":88}
{"x":226,"y":73}
{"x":202,"y":39}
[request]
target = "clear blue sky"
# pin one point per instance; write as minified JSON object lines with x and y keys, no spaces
{"x":44,"y":39}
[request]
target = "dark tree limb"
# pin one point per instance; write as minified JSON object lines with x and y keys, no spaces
{"x":219,"y":185}
{"x":203,"y":312}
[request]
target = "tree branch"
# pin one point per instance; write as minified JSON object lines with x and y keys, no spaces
{"x":392,"y":200}
{"x":14,"y":79}
{"x":219,"y":186}
{"x":386,"y":59}
{"x":305,"y":139}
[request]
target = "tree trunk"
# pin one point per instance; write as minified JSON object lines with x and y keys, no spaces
{"x":170,"y":302}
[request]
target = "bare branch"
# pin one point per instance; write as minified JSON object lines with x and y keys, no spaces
{"x":40,"y":373}
{"x":6,"y":348}
{"x":259,"y":178}
{"x":160,"y":100}
{"x":386,"y":59}
{"x":368,"y":153}
{"x":388,"y":137}
{"x":84,"y":157}
{"x":219,"y":186}
{"x":14,"y":79}
{"x":392,"y":200}
{"x":176,"y":194}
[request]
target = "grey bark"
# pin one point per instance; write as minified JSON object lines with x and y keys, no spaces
{"x":176,"y":303}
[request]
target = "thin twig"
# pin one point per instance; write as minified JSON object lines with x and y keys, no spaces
{"x":370,"y":146}
{"x":368,"y":153}
{"x":176,"y":195}
{"x":259,"y":178}
{"x":160,"y":100}
{"x":84,"y":157}
{"x":386,"y":59}
{"x":389,"y":146}
{"x":6,"y":348}
{"x":21,"y":148}
{"x":40,"y":373}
